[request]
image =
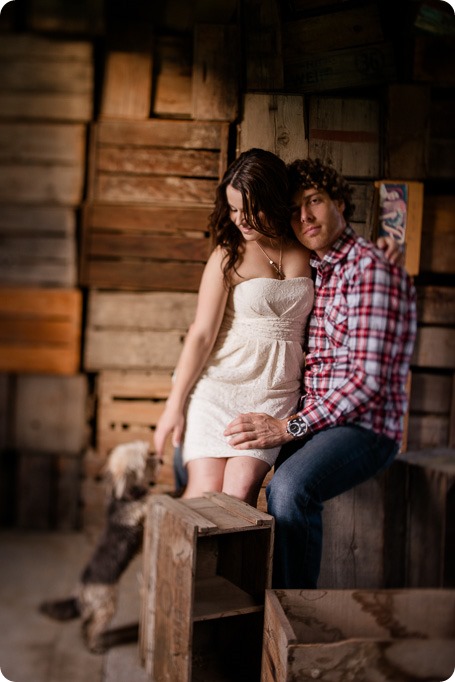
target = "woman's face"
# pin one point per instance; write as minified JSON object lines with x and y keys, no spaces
{"x":237,"y":214}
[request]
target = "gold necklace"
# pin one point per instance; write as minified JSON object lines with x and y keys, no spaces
{"x":277,"y":268}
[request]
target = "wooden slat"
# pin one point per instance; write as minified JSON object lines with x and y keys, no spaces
{"x":40,"y":330}
{"x":276,"y":123}
{"x":442,"y":137}
{"x":148,"y":218}
{"x":435,"y":347}
{"x":346,"y":133}
{"x":438,"y":234}
{"x":348,"y":68}
{"x":436,"y":305}
{"x":263,"y":52}
{"x":51,"y":414}
{"x":163,"y":133}
{"x":173,"y":76}
{"x":431,"y":393}
{"x":215,"y":72}
{"x":332,"y":31}
{"x":406,"y":141}
{"x":136,"y":331}
{"x":61,"y":16}
{"x":127,"y":86}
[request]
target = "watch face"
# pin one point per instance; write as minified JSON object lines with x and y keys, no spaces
{"x":297,"y":427}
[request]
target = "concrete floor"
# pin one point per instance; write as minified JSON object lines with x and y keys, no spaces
{"x":37,"y":566}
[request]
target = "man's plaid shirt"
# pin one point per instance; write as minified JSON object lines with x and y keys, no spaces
{"x":360,"y":339}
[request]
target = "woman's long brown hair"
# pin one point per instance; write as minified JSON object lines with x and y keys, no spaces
{"x":261,"y":178}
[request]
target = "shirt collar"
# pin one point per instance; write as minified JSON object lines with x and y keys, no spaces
{"x":337,"y":253}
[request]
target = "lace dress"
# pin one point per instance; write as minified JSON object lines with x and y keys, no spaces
{"x":255,"y":366}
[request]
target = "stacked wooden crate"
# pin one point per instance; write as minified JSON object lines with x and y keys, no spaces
{"x":156,"y":155}
{"x":46,"y":99}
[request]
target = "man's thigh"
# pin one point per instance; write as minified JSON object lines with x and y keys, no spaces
{"x":332,"y":461}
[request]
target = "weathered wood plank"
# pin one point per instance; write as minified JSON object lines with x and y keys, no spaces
{"x":435,"y":347}
{"x":436,"y":305}
{"x":163,"y":133}
{"x":428,"y":430}
{"x":120,"y":310}
{"x":438,"y":234}
{"x":173,"y":76}
{"x":53,"y":143}
{"x":158,"y":161}
{"x":263,"y":56}
{"x":41,"y":183}
{"x":127,"y":87}
{"x":51,"y":414}
{"x":49,"y":106}
{"x":40,"y":330}
{"x":332,"y":31}
{"x":430,"y":393}
{"x":276,"y":123}
{"x":215,"y":72}
{"x":345,"y":132}
{"x":355,"y":67}
{"x":63,"y":16}
{"x":407,"y":125}
{"x":192,"y":219}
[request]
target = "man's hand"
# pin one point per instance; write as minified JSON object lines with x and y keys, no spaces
{"x":255,"y":430}
{"x":392,"y":250}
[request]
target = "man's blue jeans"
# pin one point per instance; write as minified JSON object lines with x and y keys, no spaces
{"x":306,"y":475}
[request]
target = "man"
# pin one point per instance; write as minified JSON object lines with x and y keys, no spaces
{"x":358,"y":348}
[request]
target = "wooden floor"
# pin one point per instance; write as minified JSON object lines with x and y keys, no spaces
{"x":36,"y":566}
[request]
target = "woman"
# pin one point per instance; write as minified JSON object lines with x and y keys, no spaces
{"x":244,"y":347}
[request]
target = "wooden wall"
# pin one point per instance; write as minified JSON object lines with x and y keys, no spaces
{"x":115,"y":128}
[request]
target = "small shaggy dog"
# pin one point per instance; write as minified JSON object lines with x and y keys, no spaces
{"x":95,"y":600}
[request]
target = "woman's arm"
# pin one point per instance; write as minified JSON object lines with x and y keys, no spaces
{"x":198,"y":345}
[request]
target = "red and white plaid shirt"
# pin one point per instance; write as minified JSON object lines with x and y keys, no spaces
{"x":360,"y":339}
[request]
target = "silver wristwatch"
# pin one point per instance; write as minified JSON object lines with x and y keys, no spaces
{"x":297,"y":426}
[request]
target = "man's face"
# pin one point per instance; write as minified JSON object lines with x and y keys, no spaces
{"x":317,"y":220}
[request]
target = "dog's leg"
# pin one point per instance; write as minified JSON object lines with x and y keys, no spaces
{"x":98,"y":607}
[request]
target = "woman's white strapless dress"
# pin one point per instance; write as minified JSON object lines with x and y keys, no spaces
{"x":255,"y":366}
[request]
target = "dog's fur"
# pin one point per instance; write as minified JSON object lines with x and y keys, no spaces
{"x":95,"y":599}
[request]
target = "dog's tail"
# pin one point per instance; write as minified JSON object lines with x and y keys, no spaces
{"x":61,"y":609}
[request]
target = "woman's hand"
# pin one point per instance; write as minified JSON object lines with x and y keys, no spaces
{"x":171,"y":422}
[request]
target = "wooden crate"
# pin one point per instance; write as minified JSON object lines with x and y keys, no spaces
{"x":50,"y":414}
{"x":127,"y":85}
{"x":364,"y":535}
{"x":428,"y":505}
{"x":438,"y":234}
{"x":156,"y":161}
{"x":42,"y":162}
{"x":142,"y":331}
{"x":45,"y":79}
{"x":129,"y":405}
{"x":263,"y":57}
{"x":144,"y":248}
{"x":216,"y":72}
{"x":274,"y":122}
{"x":173,"y":71}
{"x":48,"y":491}
{"x":207,"y":564}
{"x":441,"y":163}
{"x":66,"y":16}
{"x":38,"y":246}
{"x":407,"y":131}
{"x":431,"y":410}
{"x":345,"y":132}
{"x":360,"y":635}
{"x":40,"y":330}
{"x":356,"y":67}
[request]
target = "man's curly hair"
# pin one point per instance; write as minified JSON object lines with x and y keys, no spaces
{"x":312,"y":173}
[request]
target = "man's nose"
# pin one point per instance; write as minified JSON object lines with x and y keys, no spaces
{"x":305,"y":214}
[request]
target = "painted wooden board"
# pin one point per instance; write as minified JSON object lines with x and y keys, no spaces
{"x":216,"y":68}
{"x":38,"y":246}
{"x":276,"y":123}
{"x":345,"y":132}
{"x":40,"y":330}
{"x":157,"y":161}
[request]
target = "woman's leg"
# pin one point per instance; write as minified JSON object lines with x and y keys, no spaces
{"x":243,"y":477}
{"x":205,"y":475}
